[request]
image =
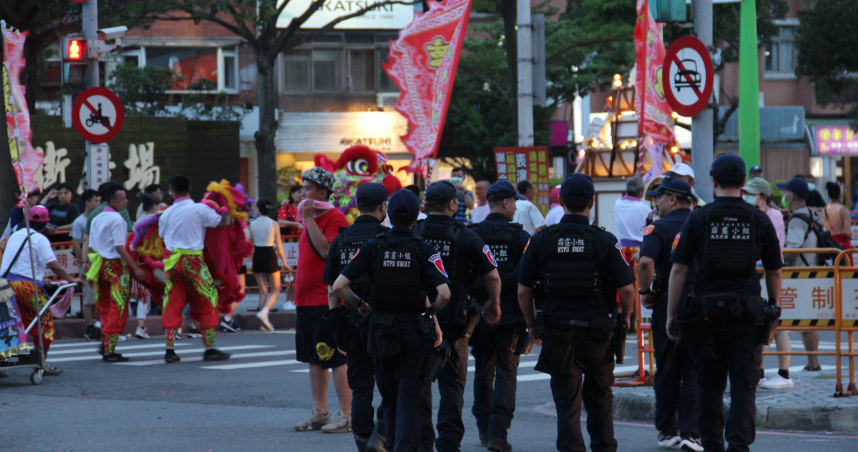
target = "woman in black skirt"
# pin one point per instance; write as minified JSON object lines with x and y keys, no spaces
{"x":265,"y":234}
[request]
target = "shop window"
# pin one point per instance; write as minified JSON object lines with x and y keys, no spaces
{"x":781,"y":54}
{"x":326,"y":70}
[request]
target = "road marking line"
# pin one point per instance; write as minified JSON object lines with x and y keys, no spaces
{"x":94,"y":346}
{"x":191,"y":359}
{"x":284,"y":362}
{"x":96,"y":356}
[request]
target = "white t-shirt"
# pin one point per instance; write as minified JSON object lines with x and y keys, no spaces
{"x":479,"y":213}
{"x":527,"y":215}
{"x":183,"y":225}
{"x":78,"y":227}
{"x":263,"y":230}
{"x":630,"y":218}
{"x":107,"y":231}
{"x":42,"y":254}
{"x":554,"y":215}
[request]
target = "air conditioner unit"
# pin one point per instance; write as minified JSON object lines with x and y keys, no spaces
{"x":387,"y":101}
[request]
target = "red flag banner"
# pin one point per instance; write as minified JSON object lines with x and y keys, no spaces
{"x":654,"y":114}
{"x":25,"y":159}
{"x":423,"y":62}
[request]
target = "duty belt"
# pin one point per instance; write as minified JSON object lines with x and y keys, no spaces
{"x":581,"y":323}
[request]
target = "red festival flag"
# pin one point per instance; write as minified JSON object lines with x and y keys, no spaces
{"x":26,"y":160}
{"x":423,"y":62}
{"x":654,"y":114}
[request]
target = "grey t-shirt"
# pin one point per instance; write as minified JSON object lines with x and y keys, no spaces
{"x":78,"y":226}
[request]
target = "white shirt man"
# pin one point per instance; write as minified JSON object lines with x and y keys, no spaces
{"x":528,"y":215}
{"x":630,"y":214}
{"x":42,"y":254}
{"x":183,"y":225}
{"x":108,"y":231}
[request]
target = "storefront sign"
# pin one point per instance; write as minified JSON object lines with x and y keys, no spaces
{"x":517,"y":164}
{"x":335,"y":132}
{"x":836,"y":140}
{"x":385,"y":17}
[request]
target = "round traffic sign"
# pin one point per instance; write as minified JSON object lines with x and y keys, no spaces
{"x":97,"y":115}
{"x":688,"y":76}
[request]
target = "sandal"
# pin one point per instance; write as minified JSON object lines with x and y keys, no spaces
{"x":52,"y":371}
{"x":813,"y":369}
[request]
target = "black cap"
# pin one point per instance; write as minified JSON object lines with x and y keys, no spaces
{"x":797,"y":186}
{"x":371,"y":193}
{"x":403,"y":203}
{"x":672,"y":186}
{"x":577,"y":185}
{"x":500,"y":190}
{"x":440,"y":192}
{"x":728,"y":167}
{"x":754,"y":169}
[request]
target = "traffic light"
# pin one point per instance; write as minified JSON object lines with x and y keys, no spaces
{"x":74,"y":50}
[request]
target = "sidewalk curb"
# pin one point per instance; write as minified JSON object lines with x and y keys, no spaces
{"x":773,"y":417}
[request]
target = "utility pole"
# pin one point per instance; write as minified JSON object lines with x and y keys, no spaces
{"x":90,"y":33}
{"x":702,"y":145}
{"x":525,"y":73}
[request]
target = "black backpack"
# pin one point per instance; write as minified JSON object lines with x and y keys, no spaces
{"x":823,"y":240}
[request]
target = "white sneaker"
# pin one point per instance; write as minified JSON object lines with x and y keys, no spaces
{"x":668,"y":440}
{"x":316,"y":421}
{"x":762,"y":380}
{"x":266,"y":325}
{"x":288,"y":306}
{"x":141,"y":333}
{"x":777,"y":382}
{"x":341,"y":424}
{"x":691,"y":444}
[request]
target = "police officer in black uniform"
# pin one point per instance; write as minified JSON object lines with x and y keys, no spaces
{"x":400,"y":268}
{"x":371,"y":198}
{"x":579,"y":269}
{"x":494,"y":346}
{"x":676,"y":386}
{"x":464,"y":254}
{"x":724,"y":325}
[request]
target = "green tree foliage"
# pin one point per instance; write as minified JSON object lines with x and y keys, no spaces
{"x":825,"y":44}
{"x":141,"y":90}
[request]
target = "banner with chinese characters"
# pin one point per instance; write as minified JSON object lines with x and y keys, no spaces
{"x":26,"y":160}
{"x":423,"y":62}
{"x":654,"y":114}
{"x":836,"y":140}
{"x":810,"y":296}
{"x":517,"y":164}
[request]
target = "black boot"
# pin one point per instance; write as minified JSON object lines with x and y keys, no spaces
{"x":376,"y":441}
{"x":360,"y":442}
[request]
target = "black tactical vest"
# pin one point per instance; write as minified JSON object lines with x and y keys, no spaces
{"x":729,"y":239}
{"x":573,"y":280}
{"x":503,"y":240}
{"x":396,"y":278}
{"x":347,"y":245}
{"x":446,"y":239}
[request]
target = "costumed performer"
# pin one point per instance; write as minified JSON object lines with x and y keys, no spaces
{"x":15,"y":268}
{"x":108,"y":272}
{"x":188,"y":280}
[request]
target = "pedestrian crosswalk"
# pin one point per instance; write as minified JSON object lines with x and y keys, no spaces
{"x":252,"y":356}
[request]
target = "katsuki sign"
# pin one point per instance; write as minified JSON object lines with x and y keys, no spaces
{"x":385,"y":17}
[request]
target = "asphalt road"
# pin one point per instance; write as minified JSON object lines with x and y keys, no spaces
{"x":249,"y":403}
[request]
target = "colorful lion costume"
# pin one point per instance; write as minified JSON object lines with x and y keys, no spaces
{"x":225,"y":247}
{"x":357,"y":165}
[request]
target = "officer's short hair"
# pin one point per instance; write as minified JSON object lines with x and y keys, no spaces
{"x":365,"y":208}
{"x":402,"y":220}
{"x":634,"y":185}
{"x":436,"y":208}
{"x":496,"y":204}
{"x":577,"y":203}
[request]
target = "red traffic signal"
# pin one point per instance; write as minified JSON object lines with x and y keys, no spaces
{"x":75,"y":50}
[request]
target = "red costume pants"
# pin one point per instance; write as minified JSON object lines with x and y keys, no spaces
{"x":190,"y":282}
{"x":30,"y":304}
{"x":111,"y":293}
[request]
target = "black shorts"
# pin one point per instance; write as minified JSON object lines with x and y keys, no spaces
{"x":314,"y":342}
{"x":265,"y":260}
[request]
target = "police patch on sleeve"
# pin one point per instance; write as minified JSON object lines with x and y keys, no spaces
{"x":488,"y":252}
{"x":355,"y":255}
{"x":439,"y":263}
{"x":649,"y":229}
{"x":525,"y":246}
{"x":676,"y":240}
{"x":618,"y":246}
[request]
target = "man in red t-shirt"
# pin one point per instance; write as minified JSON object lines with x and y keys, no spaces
{"x":314,"y":343}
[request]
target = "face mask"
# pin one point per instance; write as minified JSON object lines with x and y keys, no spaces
{"x":750,"y":199}
{"x":456,"y":180}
